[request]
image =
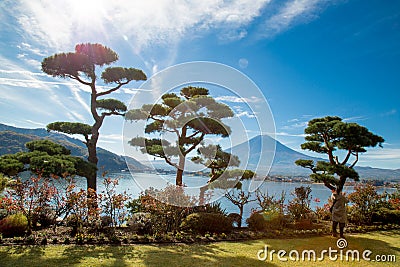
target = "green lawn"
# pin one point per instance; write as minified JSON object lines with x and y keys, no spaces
{"x":213,"y":254}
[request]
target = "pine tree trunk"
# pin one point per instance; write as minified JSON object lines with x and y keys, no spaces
{"x":92,"y":144}
{"x":179,"y":173}
{"x":203,"y":190}
{"x":92,"y":158}
{"x":179,"y":179}
{"x":241,"y":215}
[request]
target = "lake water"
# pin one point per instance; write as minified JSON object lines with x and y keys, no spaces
{"x":136,"y":183}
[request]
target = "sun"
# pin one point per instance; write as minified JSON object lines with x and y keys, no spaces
{"x":87,"y":12}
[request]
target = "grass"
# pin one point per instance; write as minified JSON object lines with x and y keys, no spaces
{"x":212,"y":254}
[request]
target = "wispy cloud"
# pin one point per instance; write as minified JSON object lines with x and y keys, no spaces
{"x":389,"y":113}
{"x":293,"y":12}
{"x":295,"y":125}
{"x":289,"y":134}
{"x":355,"y":118}
{"x":245,"y":114}
{"x":22,"y":71}
{"x":383,"y":154}
{"x":30,"y":61}
{"x":29,"y":48}
{"x":35,"y":123}
{"x":54,"y":23}
{"x":236,"y":99}
{"x":145,"y":23}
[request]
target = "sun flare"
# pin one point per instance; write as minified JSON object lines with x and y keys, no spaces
{"x":87,"y":12}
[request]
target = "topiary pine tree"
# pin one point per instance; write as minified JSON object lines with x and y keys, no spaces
{"x":46,"y":158}
{"x":82,"y":66}
{"x":329,"y":134}
{"x":189,"y":118}
{"x":217,"y":160}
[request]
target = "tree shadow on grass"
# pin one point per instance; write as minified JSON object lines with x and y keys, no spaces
{"x":374,"y":244}
{"x":211,"y":254}
{"x":148,"y":255}
{"x":17,"y":255}
{"x":116,"y":254}
{"x":200,"y":255}
{"x":70,"y":255}
{"x":378,"y":243}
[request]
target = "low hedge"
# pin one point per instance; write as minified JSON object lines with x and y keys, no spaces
{"x":13,"y":225}
{"x":385,"y":216}
{"x":202,"y":223}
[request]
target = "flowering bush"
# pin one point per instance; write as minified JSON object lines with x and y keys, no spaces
{"x":299,"y":207}
{"x":31,"y":198}
{"x":364,"y":200}
{"x":113,"y":204}
{"x":84,"y":208}
{"x":323,"y":212}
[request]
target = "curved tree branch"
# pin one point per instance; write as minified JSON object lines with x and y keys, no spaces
{"x":355,"y":162}
{"x":79,"y":79}
{"x":195,"y":144}
{"x":168,"y":161}
{"x":120,"y":84}
{"x":347,"y":157}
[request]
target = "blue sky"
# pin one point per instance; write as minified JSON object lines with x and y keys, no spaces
{"x":309,"y":58}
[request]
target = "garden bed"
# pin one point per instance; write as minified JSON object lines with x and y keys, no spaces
{"x":123,"y":236}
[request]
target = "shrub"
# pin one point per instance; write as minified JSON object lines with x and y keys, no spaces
{"x":140,"y":223}
{"x":165,"y":218}
{"x":275,"y":219}
{"x":323,"y":213}
{"x":3,"y":213}
{"x":214,"y":207}
{"x":106,"y":221}
{"x":270,"y":203}
{"x":386,"y":216}
{"x":207,"y":222}
{"x":256,"y":222}
{"x":44,"y":216}
{"x":14,"y":225}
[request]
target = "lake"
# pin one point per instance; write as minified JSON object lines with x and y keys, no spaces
{"x":136,"y":183}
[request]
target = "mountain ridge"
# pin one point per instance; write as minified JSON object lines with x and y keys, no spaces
{"x":13,"y":139}
{"x":283,"y":163}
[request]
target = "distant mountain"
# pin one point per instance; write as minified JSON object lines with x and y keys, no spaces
{"x":284,"y":157}
{"x":283,"y":163}
{"x":13,"y":139}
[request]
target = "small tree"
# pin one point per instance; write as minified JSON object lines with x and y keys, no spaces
{"x":300,"y":205}
{"x":189,"y":118}
{"x":329,"y":134}
{"x":239,"y":198}
{"x":63,"y":186}
{"x":269,"y":202}
{"x":84,"y":209}
{"x":81,"y":66}
{"x":113,"y":204}
{"x":237,"y":195}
